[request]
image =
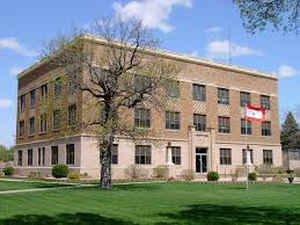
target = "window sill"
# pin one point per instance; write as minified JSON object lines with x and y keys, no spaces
{"x":172,"y":130}
{"x":31,"y":135}
{"x":225,"y":134}
{"x":42,"y":132}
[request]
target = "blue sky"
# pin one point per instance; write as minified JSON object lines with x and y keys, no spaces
{"x":195,"y":27}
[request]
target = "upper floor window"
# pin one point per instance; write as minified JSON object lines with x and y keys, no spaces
{"x":142,"y":118}
{"x":70,"y":154}
{"x":32,"y":98}
{"x":142,"y":84}
{"x":200,"y":122}
{"x":57,"y":86}
{"x":23,"y":103}
{"x":245,"y":99}
{"x":44,"y":91}
{"x":31,"y":126}
{"x":73,"y":84}
{"x":268,"y":157}
{"x":265,"y":101}
{"x":72,"y":110}
{"x":21,"y":128}
{"x":199,"y":92}
{"x":225,"y":156}
{"x":143,"y":154}
{"x":266,"y":128}
{"x":223,"y":96}
{"x":245,"y":156}
{"x":176,"y":155}
{"x":173,"y":89}
{"x":246,"y":127}
{"x":224,"y":124}
{"x":43,"y":123}
{"x":173,"y":120}
{"x":56,"y":119}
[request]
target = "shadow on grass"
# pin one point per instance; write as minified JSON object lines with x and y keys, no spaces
{"x":207,"y":214}
{"x":63,"y":219}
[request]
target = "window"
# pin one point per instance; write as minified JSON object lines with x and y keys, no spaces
{"x":39,"y":156}
{"x":142,"y":154}
{"x":245,"y":156}
{"x":114,"y":154}
{"x":223,"y":96}
{"x":200,"y":122}
{"x":44,"y":155}
{"x":70,"y":154}
{"x":57,"y":86}
{"x":32,"y":98}
{"x":31,"y":126}
{"x":73,"y":84}
{"x":56,"y":119}
{"x":266,"y":128}
{"x":268,"y":157}
{"x":245,"y":99}
{"x":173,"y":89}
{"x":72,"y":115}
{"x":142,"y":118}
{"x":173,"y":120}
{"x":265,"y":101}
{"x":20,"y":158}
{"x":224,"y":125}
{"x":294,"y":155}
{"x":54,"y":155}
{"x":225,"y":156}
{"x":29,"y":158}
{"x":246,"y":127}
{"x":141,"y":84}
{"x":43,"y":123}
{"x":21,"y":128}
{"x":199,"y":92}
{"x":44,"y":91}
{"x":23,"y":103}
{"x":176,"y":155}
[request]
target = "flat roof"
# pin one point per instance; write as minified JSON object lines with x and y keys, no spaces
{"x":171,"y":55}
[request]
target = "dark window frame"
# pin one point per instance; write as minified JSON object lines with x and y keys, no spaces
{"x":32,"y":126}
{"x":223,"y":96}
{"x":225,"y":156}
{"x":54,"y":155}
{"x":245,"y":131}
{"x":70,"y":154}
{"x":21,"y":128}
{"x":30,"y":157}
{"x":224,"y":126}
{"x":56,"y":119}
{"x":142,"y":118}
{"x":72,"y":115}
{"x":32,"y":98}
{"x":199,"y":122}
{"x":173,"y":89}
{"x":267,"y":157}
{"x":115,"y":154}
{"x":266,"y":128}
{"x":172,"y":120}
{"x":20,"y":157}
{"x":245,"y":98}
{"x":199,"y":92}
{"x":143,"y":154}
{"x":43,"y":122}
{"x":176,"y":155}
{"x":265,"y":102}
{"x":22,"y":103}
{"x":245,"y":156}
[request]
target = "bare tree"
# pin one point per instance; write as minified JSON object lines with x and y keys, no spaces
{"x":125,"y":72}
{"x":280,"y":14}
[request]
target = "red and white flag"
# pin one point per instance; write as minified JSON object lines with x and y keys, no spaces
{"x":255,"y":113}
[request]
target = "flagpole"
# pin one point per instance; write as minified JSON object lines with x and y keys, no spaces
{"x":247,"y":149}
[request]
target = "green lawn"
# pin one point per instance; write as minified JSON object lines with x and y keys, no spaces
{"x":18,"y":185}
{"x":156,"y":204}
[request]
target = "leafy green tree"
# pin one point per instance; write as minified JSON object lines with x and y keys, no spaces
{"x":290,"y":134}
{"x":279,"y":14}
{"x":6,"y":154}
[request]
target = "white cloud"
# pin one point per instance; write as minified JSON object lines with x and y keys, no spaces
{"x":12,"y":44}
{"x":213,"y":29}
{"x":285,"y":71}
{"x":15,"y":70}
{"x":5,"y":103}
{"x":220,"y":49}
{"x":152,"y":13}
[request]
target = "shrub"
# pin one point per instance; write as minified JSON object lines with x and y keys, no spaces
{"x":1,"y":174}
{"x":133,"y":172}
{"x":60,"y":171}
{"x":74,"y":176}
{"x":161,"y":172}
{"x":35,"y":175}
{"x":213,"y":176}
{"x":252,"y":176}
{"x":187,"y":175}
{"x":8,"y":171}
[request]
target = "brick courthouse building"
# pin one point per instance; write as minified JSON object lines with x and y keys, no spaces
{"x":204,"y":130}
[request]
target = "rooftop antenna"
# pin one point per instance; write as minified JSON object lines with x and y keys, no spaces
{"x":229,"y":46}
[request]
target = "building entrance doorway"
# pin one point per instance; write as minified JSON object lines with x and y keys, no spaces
{"x":201,"y":160}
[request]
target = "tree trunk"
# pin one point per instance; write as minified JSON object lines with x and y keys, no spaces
{"x":105,"y":179}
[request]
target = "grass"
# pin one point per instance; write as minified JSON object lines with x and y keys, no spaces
{"x":156,"y":204}
{"x":19,"y":185}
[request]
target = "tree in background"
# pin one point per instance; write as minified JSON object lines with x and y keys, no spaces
{"x":127,"y":73}
{"x":279,"y":14}
{"x":6,"y":154}
{"x":290,"y":134}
